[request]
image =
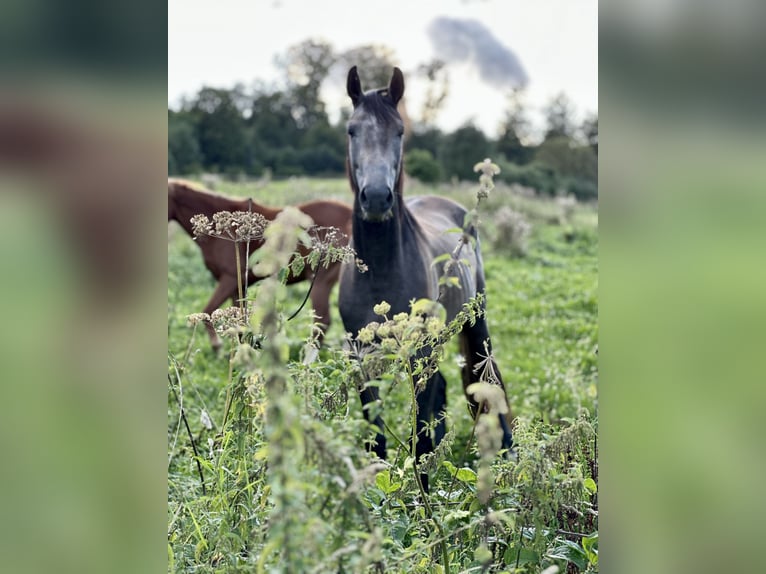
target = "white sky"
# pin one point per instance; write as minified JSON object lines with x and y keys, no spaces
{"x":219,"y":43}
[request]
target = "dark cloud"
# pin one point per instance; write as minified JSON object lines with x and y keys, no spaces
{"x":460,"y":40}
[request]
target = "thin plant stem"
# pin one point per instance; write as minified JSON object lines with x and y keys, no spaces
{"x":426,"y":503}
{"x":188,"y":430}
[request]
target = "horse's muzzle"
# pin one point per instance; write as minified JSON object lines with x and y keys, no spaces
{"x":376,"y":202}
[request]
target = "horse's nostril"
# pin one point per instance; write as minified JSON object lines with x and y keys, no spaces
{"x":363,"y":196}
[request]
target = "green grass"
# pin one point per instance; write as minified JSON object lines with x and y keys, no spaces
{"x":542,"y":312}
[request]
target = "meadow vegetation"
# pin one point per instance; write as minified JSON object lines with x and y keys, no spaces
{"x":267,"y":471}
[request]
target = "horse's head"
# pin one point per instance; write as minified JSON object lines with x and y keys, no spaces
{"x":375,"y":135}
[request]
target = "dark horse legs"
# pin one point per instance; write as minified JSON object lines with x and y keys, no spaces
{"x":369,"y":394}
{"x":472,"y":347}
{"x":431,"y":405}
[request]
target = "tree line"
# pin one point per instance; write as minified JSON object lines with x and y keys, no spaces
{"x":284,"y":130}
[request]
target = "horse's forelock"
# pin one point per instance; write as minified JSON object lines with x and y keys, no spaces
{"x":379,"y":104}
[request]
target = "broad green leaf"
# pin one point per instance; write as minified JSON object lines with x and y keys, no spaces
{"x":523,"y":555}
{"x":590,"y":545}
{"x":590,"y":485}
{"x":571,"y":552}
{"x":466,"y":475}
{"x":440,"y":258}
{"x":383,"y":480}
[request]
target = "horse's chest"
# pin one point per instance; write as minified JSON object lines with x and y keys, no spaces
{"x":360,"y":292}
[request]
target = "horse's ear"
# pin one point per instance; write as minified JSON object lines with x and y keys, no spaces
{"x":354,"y":86}
{"x":396,"y":87}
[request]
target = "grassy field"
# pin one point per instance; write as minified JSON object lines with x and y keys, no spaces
{"x":291,"y":489}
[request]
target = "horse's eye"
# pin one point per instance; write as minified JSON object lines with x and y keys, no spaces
{"x":351,"y":131}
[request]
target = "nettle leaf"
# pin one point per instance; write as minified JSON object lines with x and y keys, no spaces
{"x":590,"y":545}
{"x":456,"y":516}
{"x":571,"y":552}
{"x":384,"y":483}
{"x":297,"y":265}
{"x":590,"y":485}
{"x":514,"y":555}
{"x":465,"y":474}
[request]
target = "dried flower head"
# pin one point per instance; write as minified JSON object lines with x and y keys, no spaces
{"x":486,"y":183}
{"x":238,"y":226}
{"x":196,"y":318}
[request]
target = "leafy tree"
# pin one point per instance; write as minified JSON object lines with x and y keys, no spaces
{"x":220,"y":129}
{"x":537,"y":175}
{"x":321,"y":160}
{"x":513,"y":130}
{"x":430,"y":139}
{"x":568,"y":158}
{"x":374,"y":63}
{"x":420,"y":164}
{"x":589,"y":130}
{"x":558,"y":117}
{"x":183,"y":148}
{"x":306,"y":66}
{"x":437,"y":89}
{"x":272,"y":119}
{"x":323,"y":134}
{"x":323,"y":149}
{"x":462,"y":149}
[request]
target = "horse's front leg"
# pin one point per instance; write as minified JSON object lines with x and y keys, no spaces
{"x":431,"y":424}
{"x":369,"y":395}
{"x":478,"y":358}
{"x":320,"y":295}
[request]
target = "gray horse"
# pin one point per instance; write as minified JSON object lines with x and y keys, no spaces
{"x":398,"y":240}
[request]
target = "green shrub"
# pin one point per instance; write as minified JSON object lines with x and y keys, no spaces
{"x":539,"y":176}
{"x":420,"y":164}
{"x":582,"y":189}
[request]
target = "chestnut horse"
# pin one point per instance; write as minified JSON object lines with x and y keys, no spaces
{"x":185,"y":200}
{"x":399,"y":240}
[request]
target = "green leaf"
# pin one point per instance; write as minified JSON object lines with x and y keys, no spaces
{"x":590,"y":545}
{"x":523,"y":555}
{"x":571,"y":552}
{"x":296,"y":266}
{"x":466,"y":475}
{"x":383,"y":482}
{"x":482,"y":554}
{"x":590,"y":485}
{"x":440,"y":258}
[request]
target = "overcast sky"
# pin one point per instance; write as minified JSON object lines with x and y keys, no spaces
{"x":552,"y":44}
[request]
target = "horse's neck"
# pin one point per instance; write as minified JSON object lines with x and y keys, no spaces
{"x":382,"y":246}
